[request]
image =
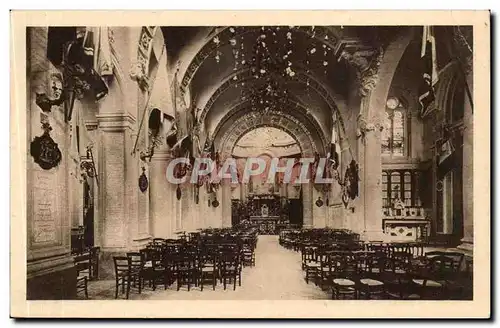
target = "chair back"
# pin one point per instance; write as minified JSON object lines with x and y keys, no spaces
{"x":136,"y":260}
{"x":123,"y":265}
{"x":442,"y":267}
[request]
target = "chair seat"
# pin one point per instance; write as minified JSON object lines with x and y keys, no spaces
{"x":148,"y":264}
{"x":159,"y":268}
{"x":313,"y":265}
{"x":371,"y":282}
{"x":207,"y":269}
{"x":343,"y":282}
{"x":429,"y":283}
{"x":347,"y":290}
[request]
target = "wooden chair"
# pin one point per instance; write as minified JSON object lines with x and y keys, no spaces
{"x":186,"y":270}
{"x":344,"y":277}
{"x":123,"y":274}
{"x":431,"y":282}
{"x":83,"y":264}
{"x":396,"y":276}
{"x":370,"y":271}
{"x":83,"y":272}
{"x":248,"y":255}
{"x":208,"y":269}
{"x":94,"y":263}
{"x":155,"y":269}
{"x":310,"y":263}
{"x":230,"y":268}
{"x":82,"y":285}
{"x":137,"y":269}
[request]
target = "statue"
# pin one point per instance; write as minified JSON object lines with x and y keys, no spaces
{"x":264,"y":210}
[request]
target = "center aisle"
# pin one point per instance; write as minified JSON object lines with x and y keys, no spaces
{"x":277,"y":275}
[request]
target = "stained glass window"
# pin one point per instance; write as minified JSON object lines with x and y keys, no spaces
{"x":402,"y":185}
{"x":394,"y":133}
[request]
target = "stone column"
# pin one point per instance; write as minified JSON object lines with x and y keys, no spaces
{"x":373,"y":97}
{"x":468,"y":174}
{"x":370,"y":185}
{"x":307,"y":205}
{"x":162,"y":196}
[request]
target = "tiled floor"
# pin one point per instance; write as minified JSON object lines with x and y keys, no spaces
{"x":277,"y":275}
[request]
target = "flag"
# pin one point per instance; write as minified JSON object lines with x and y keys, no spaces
{"x":333,"y":156}
{"x":445,"y":151}
{"x":103,"y":63}
{"x":429,"y":72}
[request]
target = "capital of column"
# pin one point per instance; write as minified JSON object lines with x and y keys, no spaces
{"x":368,"y":125}
{"x":368,"y":75}
{"x":115,"y":121}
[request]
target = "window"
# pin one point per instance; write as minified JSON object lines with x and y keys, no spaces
{"x":402,"y":185}
{"x":394,"y":134}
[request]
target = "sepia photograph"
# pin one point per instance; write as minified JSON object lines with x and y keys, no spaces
{"x":330,"y":159}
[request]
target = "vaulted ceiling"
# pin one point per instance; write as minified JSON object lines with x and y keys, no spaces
{"x":305,"y":71}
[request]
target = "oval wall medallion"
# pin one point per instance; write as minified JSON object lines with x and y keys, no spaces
{"x":143,"y":181}
{"x":45,"y":150}
{"x":319,"y":202}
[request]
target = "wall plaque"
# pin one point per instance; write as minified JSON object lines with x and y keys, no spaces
{"x":44,"y":227}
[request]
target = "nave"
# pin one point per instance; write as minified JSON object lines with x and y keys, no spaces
{"x":297,"y":265}
{"x":120,"y":166}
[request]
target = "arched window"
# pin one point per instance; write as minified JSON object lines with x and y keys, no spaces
{"x":394,"y":135}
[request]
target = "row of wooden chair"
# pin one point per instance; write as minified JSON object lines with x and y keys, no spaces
{"x":375,"y":273}
{"x":187,"y":262}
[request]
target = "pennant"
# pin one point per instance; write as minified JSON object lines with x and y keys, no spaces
{"x":445,"y":151}
{"x":333,"y":156}
{"x":429,"y":73}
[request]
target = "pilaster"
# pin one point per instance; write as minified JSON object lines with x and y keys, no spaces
{"x":118,"y":221}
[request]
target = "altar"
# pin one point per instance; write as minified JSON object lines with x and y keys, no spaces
{"x":267,"y":212}
{"x":402,"y":223}
{"x":267,"y":225}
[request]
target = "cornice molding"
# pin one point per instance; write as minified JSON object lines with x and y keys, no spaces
{"x":115,"y":121}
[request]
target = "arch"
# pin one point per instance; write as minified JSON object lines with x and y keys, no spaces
{"x":299,"y":114}
{"x":449,"y":79}
{"x":228,"y":136}
{"x":245,"y":75}
{"x":375,"y":105}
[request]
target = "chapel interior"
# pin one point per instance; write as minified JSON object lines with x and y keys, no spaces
{"x":110,"y":107}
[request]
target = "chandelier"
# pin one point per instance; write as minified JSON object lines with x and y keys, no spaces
{"x":273,"y":62}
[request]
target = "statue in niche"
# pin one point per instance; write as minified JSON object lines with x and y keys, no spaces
{"x":264,"y":210}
